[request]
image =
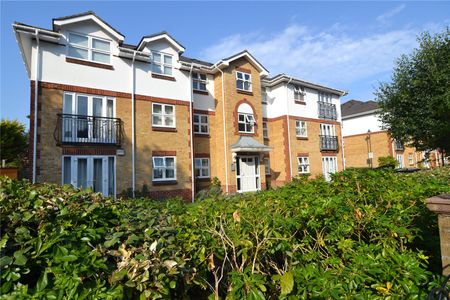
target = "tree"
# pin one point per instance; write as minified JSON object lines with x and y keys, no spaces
{"x":13,"y":142}
{"x":415,"y":105}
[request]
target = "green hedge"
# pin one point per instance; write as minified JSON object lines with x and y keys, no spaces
{"x":368,"y":234}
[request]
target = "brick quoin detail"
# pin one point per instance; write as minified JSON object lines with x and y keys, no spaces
{"x":235,"y":119}
{"x":304,"y":154}
{"x":164,"y":153}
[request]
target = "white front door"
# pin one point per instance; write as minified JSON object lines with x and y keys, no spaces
{"x":97,"y":172}
{"x":248,"y":179}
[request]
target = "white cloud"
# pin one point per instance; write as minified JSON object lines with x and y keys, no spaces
{"x":383,"y":18}
{"x":328,"y":57}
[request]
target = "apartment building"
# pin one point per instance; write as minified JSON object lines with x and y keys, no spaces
{"x":113,"y":116}
{"x":365,"y":140}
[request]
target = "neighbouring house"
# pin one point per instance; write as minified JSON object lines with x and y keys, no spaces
{"x":114,"y":116}
{"x":365,"y":140}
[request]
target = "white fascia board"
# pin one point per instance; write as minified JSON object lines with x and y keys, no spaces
{"x":93,"y":18}
{"x":262,"y":70}
{"x":285,"y":78}
{"x":158,"y":37}
{"x":129,"y":53}
{"x":22,"y":53}
{"x":361,"y":114}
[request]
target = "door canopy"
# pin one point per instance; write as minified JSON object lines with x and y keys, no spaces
{"x":249,"y":144}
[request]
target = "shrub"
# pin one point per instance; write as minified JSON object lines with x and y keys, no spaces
{"x":367,"y":234}
{"x":387,"y":162}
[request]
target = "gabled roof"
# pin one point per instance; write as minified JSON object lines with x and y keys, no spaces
{"x":280,"y":78}
{"x":249,"y":144}
{"x":157,"y":36}
{"x":88,"y":15}
{"x":226,"y":61}
{"x":356,"y":107}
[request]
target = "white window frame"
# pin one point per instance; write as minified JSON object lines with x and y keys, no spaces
{"x":163,"y":115}
{"x":89,"y":179}
{"x":331,"y":163}
{"x":265,"y":126}
{"x":196,"y":78}
{"x":244,"y":81}
{"x":201,"y":168}
{"x":164,"y":168}
{"x":410,"y":159}
{"x":162,"y":64}
{"x":299,"y":128}
{"x":267,"y":165}
{"x":299,"y":93}
{"x":199,"y":123}
{"x":303,"y":165}
{"x":327,"y":129}
{"x":325,"y":97}
{"x":89,"y":48}
{"x":399,"y":158}
{"x":264,"y":95}
{"x":249,"y":119}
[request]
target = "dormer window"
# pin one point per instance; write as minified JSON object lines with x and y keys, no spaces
{"x":299,"y":93}
{"x":243,"y":81}
{"x":199,"y":81}
{"x":162,"y":63}
{"x":89,"y":48}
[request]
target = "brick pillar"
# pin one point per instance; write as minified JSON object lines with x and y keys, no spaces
{"x":441,"y":206}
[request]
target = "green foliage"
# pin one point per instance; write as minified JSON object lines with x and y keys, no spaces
{"x":416,"y":104}
{"x":387,"y":162}
{"x":367,"y":234}
{"x":13,"y":142}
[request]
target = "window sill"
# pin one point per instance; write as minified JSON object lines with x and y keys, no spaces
{"x":164,"y":77}
{"x":202,"y":135}
{"x":165,"y":129}
{"x":264,"y":103}
{"x":203,"y":179}
{"x":300,"y":102}
{"x":89,"y":63}
{"x":246,"y":134}
{"x":268,"y":175}
{"x":200,"y":92}
{"x":164,"y":182}
{"x":302,"y":138}
{"x":244,"y":92}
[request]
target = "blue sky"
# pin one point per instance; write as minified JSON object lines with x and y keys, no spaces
{"x":346,"y":45}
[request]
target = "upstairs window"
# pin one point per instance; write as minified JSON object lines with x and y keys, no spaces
{"x":89,"y":48}
{"x":299,"y":93}
{"x":164,"y":168}
{"x":264,"y":95}
{"x":163,"y":115}
{"x":265,"y":130}
{"x":325,"y":97}
{"x":301,"y":129}
{"x":246,"y":123}
{"x":243,"y":81}
{"x":199,"y":81}
{"x":162,"y":63}
{"x":201,"y":124}
{"x":267,"y":165}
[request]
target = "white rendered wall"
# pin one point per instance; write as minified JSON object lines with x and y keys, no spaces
{"x":361,"y":124}
{"x":55,"y":69}
{"x":206,"y":102}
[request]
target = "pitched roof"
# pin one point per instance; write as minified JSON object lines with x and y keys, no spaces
{"x":163,"y":34}
{"x":249,"y":144}
{"x":196,"y":61}
{"x":353,"y":107}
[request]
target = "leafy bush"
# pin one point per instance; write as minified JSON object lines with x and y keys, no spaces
{"x":387,"y":162}
{"x":367,"y":234}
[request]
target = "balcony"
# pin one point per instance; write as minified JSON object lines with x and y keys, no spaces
{"x":81,"y":129}
{"x":327,"y":111}
{"x":328,"y":143}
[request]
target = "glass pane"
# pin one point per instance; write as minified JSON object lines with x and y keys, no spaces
{"x":168,"y":70}
{"x":67,"y":104}
{"x":168,"y":59}
{"x":67,"y":170}
{"x":100,"y":57}
{"x":157,"y":173}
{"x":198,"y":162}
{"x":82,"y":173}
{"x":246,"y":76}
{"x":241,"y":127}
{"x":239,"y":75}
{"x":168,"y":110}
{"x":240,"y":84}
{"x":205,"y":162}
{"x":170,"y":173}
{"x":110,"y":108}
{"x":196,"y":117}
{"x":157,"y":108}
{"x":78,"y":53}
{"x":204,"y":128}
{"x":100,"y":45}
{"x":204,"y":119}
{"x":111,"y":183}
{"x":203,"y":76}
{"x":196,"y":128}
{"x":98,"y":175}
{"x":206,"y":172}
{"x":203,"y":86}
{"x":197,"y":172}
{"x":241,"y":118}
{"x":195,"y":85}
{"x":157,"y":57}
{"x":97,"y":107}
{"x":78,"y":40}
{"x":157,"y":120}
{"x":246,"y":86}
{"x":158,"y":161}
{"x":82,"y":107}
{"x":157,"y":68}
{"x":168,"y":120}
{"x":170,"y":161}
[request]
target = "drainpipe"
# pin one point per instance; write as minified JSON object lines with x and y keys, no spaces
{"x":191,"y":134}
{"x":36,"y":91}
{"x":289,"y":126}
{"x":133,"y":129}
{"x":224,"y":132}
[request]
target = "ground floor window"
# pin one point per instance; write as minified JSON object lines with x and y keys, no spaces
{"x":267,"y":165}
{"x":96,"y":172}
{"x":329,"y":166}
{"x":303,"y":164}
{"x":201,"y":167}
{"x":164,"y":168}
{"x":400,"y":160}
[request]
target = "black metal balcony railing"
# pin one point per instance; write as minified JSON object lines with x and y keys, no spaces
{"x":327,"y":111}
{"x":80,"y":129}
{"x":328,"y":143}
